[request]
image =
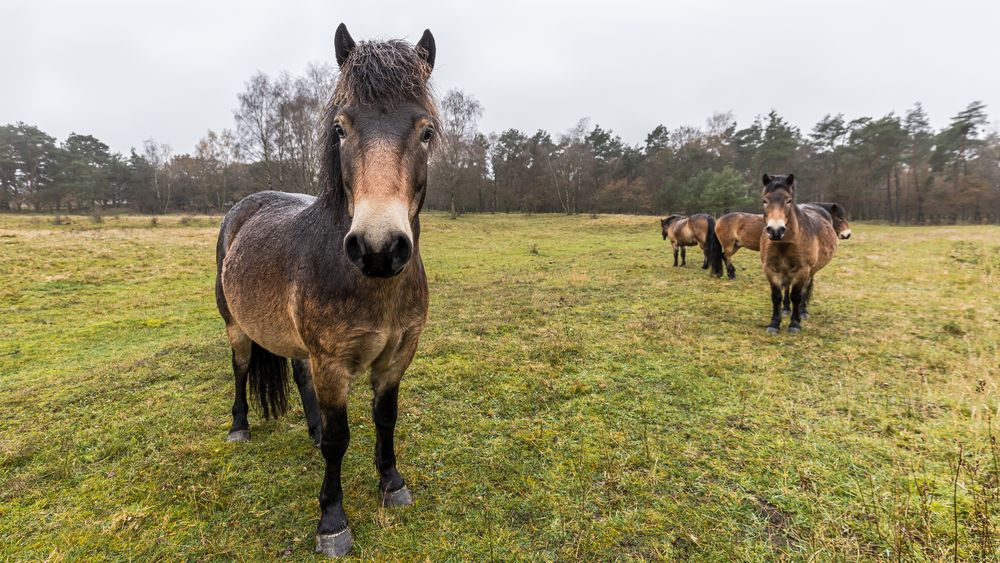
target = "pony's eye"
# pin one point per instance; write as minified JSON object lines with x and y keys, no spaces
{"x":788,"y":201}
{"x":426,"y":136}
{"x":339,"y":130}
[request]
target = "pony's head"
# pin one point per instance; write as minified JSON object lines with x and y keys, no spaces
{"x":665,"y":224}
{"x":839,"y":220}
{"x":778,"y":199}
{"x":379,"y":130}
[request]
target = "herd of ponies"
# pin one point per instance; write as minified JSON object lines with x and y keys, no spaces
{"x":334,"y":284}
{"x":795,"y":240}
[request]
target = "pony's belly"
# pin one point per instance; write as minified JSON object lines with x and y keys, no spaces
{"x":262,"y":311}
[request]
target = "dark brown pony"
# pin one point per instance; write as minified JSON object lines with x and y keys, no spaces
{"x":796,"y":243}
{"x":335,"y":282}
{"x":743,"y":230}
{"x":698,"y":230}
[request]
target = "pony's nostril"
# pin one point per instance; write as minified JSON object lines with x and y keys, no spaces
{"x":353,"y":247}
{"x":400,"y":250}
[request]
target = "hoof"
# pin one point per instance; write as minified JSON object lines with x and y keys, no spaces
{"x":399,"y":497}
{"x":772,"y":330}
{"x":786,"y":312}
{"x":804,"y":315}
{"x":793,"y":330}
{"x":335,"y":545}
{"x":238,"y":436}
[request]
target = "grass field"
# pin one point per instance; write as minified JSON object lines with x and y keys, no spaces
{"x":574,"y":397}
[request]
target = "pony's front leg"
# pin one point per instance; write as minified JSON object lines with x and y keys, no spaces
{"x":385,"y":386}
{"x":786,"y":303}
{"x":796,"y":323}
{"x":775,"y":309}
{"x":675,"y":254}
{"x":333,"y":536}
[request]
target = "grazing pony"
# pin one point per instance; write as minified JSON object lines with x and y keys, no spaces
{"x":335,"y":282}
{"x":796,"y":243}
{"x":688,"y":231}
{"x":743,"y":230}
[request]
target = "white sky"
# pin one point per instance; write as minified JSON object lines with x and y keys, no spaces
{"x":127,"y":71}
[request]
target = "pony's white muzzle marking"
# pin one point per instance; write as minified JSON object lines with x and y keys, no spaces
{"x":775,"y":228}
{"x":380,"y":241}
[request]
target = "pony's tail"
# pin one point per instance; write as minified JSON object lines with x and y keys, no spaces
{"x":713,"y":249}
{"x":268,"y":381}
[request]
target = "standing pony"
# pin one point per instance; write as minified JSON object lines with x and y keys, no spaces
{"x":688,"y":231}
{"x":335,"y":282}
{"x":796,"y":244}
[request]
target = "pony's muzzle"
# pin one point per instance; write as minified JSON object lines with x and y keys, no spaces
{"x":382,"y":261}
{"x":845,"y":234}
{"x":775,"y":233}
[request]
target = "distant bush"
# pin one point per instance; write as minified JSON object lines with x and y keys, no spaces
{"x":60,"y":220}
{"x":187,"y":220}
{"x":96,"y":217}
{"x":153,"y":221}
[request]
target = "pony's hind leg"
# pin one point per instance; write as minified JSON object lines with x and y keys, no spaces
{"x":727,"y":257}
{"x":796,"y":322}
{"x":772,"y":328}
{"x":241,"y":345}
{"x":786,"y":303}
{"x":303,"y":380}
{"x":684,"y":257}
{"x":806,"y":296}
{"x":704,"y":250}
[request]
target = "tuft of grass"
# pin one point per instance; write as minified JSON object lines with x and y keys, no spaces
{"x":596,"y":403}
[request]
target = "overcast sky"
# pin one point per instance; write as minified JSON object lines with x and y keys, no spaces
{"x":127,"y":71}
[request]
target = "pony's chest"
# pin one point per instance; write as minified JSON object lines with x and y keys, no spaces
{"x":783,"y":257}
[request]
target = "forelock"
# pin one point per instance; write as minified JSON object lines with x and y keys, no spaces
{"x":383,"y":72}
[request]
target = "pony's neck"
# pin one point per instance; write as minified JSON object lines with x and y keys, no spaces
{"x":793,"y":221}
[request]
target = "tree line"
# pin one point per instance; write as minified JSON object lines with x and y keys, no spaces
{"x":895,"y":167}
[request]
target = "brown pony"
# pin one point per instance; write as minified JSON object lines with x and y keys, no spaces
{"x":688,"y":231}
{"x":796,"y":243}
{"x":335,"y":282}
{"x":743,"y":230}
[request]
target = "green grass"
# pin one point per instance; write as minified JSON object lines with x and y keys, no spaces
{"x":574,"y":397}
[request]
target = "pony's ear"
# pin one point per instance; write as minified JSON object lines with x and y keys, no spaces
{"x":836,"y":210}
{"x":766,"y":180}
{"x":343,"y":44}
{"x":790,"y":180}
{"x":426,"y":47}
